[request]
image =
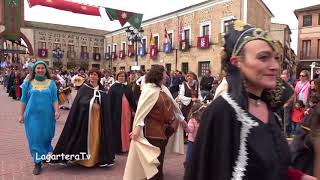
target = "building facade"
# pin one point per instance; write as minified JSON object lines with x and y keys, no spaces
{"x":67,"y":46}
{"x":281,"y":33}
{"x":308,"y":36}
{"x":199,"y":27}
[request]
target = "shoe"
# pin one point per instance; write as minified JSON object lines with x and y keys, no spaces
{"x":37,"y":169}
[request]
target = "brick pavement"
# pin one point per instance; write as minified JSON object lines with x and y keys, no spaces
{"x":16,"y":163}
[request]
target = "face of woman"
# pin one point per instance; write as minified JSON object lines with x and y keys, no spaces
{"x":40,"y":70}
{"x":190,"y":78}
{"x":303,"y":76}
{"x":260,"y":65}
{"x":121,"y":78}
{"x":312,"y":86}
{"x":94,"y":77}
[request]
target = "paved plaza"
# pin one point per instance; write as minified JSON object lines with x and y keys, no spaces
{"x":16,"y":163}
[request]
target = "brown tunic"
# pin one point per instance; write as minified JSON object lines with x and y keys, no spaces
{"x":160,"y":115}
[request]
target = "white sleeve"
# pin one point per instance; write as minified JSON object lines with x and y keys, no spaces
{"x":72,"y":79}
{"x":199,"y":94}
{"x":138,"y":82}
{"x":184,"y":100}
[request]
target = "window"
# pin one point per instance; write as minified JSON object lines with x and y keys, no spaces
{"x":123,"y":46}
{"x":205,"y":30}
{"x":95,"y":50}
{"x":42,"y":45}
{"x":56,"y":45}
{"x":226,"y":25}
{"x":187,"y":34}
{"x":144,"y":43}
{"x":84,"y":49}
{"x":203,"y":66}
{"x":168,"y":68}
{"x":156,"y":40}
{"x":122,"y":68}
{"x":170,"y":37}
{"x":114,"y":48}
{"x":318,"y":48}
{"x":109,"y":49}
{"x":96,"y":66}
{"x":307,"y":20}
{"x":114,"y":69}
{"x":306,"y":48}
{"x":70,"y":48}
{"x":185,"y":68}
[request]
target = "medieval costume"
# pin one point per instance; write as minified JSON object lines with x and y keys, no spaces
{"x":39,"y":95}
{"x":79,"y":79}
{"x":186,"y":93}
{"x":123,"y":104}
{"x":231,"y":142}
{"x":156,"y":110}
{"x":88,"y":128}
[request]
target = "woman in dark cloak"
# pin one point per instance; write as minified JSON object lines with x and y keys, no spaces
{"x":88,"y":127}
{"x":240,"y":136}
{"x":123,"y":105}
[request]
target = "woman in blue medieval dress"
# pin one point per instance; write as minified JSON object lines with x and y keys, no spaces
{"x":38,"y":111}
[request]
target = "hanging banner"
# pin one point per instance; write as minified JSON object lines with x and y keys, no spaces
{"x":141,"y":51}
{"x":203,"y":42}
{"x":167,"y":47}
{"x":131,"y":50}
{"x":43,"y":53}
{"x":153,"y":52}
{"x":122,"y":54}
{"x":12,"y":19}
{"x":107,"y":56}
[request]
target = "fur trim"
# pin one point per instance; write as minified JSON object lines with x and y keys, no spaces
{"x":247,"y":123}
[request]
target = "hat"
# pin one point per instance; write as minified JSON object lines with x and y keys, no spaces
{"x":40,"y":62}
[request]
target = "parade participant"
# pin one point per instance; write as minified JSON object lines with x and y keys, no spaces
{"x":155,"y":121}
{"x":123,"y":105}
{"x":239,"y":136}
{"x":88,"y":127}
{"x":206,"y":83}
{"x":107,"y":81}
{"x":38,"y":111}
{"x":189,"y":93}
{"x":15,"y":90}
{"x":79,"y":79}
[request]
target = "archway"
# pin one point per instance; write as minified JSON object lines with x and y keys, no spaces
{"x":26,"y":40}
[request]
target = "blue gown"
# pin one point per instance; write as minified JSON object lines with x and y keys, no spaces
{"x":39,"y":118}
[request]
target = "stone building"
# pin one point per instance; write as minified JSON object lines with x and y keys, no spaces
{"x":308,"y":36}
{"x":67,"y":46}
{"x":200,"y":23}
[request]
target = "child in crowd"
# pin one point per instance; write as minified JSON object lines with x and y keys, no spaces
{"x":192,"y":127}
{"x":297,"y":115}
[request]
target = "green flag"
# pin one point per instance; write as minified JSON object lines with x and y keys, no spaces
{"x":136,"y":20}
{"x":125,"y":16}
{"x":12,"y":19}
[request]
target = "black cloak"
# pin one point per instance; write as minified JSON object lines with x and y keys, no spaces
{"x":73,"y":139}
{"x":115,"y":94}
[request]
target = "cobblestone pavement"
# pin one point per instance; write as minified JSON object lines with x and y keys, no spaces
{"x":16,"y":163}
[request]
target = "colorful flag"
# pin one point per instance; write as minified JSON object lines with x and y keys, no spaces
{"x":122,"y":54}
{"x":67,"y":5}
{"x":167,"y":47}
{"x":43,"y":53}
{"x":153,"y":52}
{"x":142,"y":51}
{"x":123,"y":17}
{"x":151,"y":41}
{"x":203,"y":42}
{"x":131,"y":50}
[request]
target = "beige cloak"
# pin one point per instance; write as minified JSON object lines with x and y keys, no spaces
{"x":142,"y":159}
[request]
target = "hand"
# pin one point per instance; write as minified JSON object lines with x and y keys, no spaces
{"x":57,"y":115}
{"x":21,"y":119}
{"x":307,"y":177}
{"x":135,"y":133}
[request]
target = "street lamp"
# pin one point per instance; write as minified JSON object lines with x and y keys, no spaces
{"x":135,"y":35}
{"x":58,"y":54}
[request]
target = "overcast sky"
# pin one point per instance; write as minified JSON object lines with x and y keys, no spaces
{"x":282,"y":10}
